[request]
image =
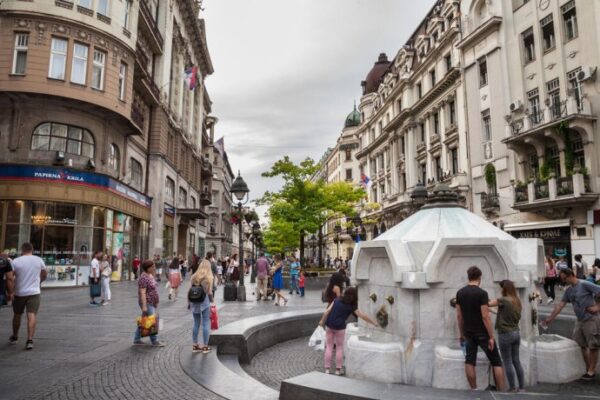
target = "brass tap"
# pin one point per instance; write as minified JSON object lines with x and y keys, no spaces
{"x":390,"y":299}
{"x":373,"y":297}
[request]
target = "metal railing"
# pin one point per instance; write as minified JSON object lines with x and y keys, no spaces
{"x":564,"y":186}
{"x":521,"y":194}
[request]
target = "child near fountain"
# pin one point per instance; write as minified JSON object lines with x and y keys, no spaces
{"x":334,"y":319}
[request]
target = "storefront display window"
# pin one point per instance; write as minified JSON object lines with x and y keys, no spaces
{"x":66,"y":235}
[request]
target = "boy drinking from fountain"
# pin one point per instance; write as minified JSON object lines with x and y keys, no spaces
{"x":334,"y":319}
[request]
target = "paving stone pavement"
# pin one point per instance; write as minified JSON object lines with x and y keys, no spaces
{"x":83,"y":352}
{"x":283,"y":361}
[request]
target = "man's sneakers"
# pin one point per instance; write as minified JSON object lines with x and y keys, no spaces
{"x":29,"y":345}
{"x":13,"y":340}
{"x":93,"y":303}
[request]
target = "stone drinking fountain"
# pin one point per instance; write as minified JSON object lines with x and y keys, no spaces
{"x":406,"y":278}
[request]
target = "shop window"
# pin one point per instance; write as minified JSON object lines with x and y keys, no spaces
{"x":114,"y":157}
{"x":58,"y":58}
{"x":569,"y":14}
{"x":20,"y":54}
{"x":136,"y":174}
{"x":79,"y":63}
{"x":547,"y":25}
{"x":528,"y":45}
{"x":98,"y":70}
{"x":60,"y":137}
{"x":483,"y":72}
{"x":99,"y":220}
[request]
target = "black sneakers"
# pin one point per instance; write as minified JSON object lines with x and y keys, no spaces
{"x":29,"y":345}
{"x":13,"y":340}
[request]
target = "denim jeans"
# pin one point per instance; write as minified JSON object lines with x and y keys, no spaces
{"x":205,"y":317}
{"x":138,"y":333}
{"x":294,"y":283}
{"x":509,"y":349}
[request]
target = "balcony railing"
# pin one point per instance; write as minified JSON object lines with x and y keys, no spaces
{"x":564,"y":186}
{"x":536,"y":117}
{"x":145,"y":11}
{"x":521,"y":194}
{"x":541,"y":190}
{"x":490,"y":201}
{"x":137,"y":116}
{"x":559,"y":110}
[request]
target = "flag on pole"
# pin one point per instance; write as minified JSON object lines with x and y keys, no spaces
{"x":220,"y":146}
{"x":190,"y":77}
{"x":364,"y":181}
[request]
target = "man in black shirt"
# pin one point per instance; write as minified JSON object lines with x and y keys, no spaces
{"x":475,"y":327}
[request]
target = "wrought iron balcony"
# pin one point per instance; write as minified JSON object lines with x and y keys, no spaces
{"x":151,"y":26}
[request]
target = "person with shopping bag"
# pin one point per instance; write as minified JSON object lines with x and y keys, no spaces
{"x":200,"y":299}
{"x":148,"y":302}
{"x":94,"y":279}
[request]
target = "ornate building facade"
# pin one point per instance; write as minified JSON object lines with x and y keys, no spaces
{"x":104,"y":138}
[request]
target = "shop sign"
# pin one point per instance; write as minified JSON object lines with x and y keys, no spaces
{"x":169,"y":210}
{"x":544,"y":234}
{"x":67,"y":176}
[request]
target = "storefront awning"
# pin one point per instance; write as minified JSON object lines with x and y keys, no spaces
{"x":525,"y":226}
{"x":192,"y":213}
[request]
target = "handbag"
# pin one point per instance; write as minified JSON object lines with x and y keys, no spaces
{"x":196,"y":294}
{"x":214,"y":318}
{"x":148,"y":325}
{"x":95,"y":290}
{"x":317,"y":339}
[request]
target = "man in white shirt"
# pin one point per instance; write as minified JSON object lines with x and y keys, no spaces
{"x":95,"y":277}
{"x":30,"y":272}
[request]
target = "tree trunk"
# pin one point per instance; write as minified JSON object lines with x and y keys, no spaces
{"x":302,"y":248}
{"x":321,"y":247}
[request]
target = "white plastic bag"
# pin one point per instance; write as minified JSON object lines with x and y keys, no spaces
{"x":317,"y":340}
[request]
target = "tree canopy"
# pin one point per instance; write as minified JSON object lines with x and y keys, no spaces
{"x":303,"y":204}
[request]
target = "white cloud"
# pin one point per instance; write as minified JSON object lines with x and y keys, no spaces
{"x":288,"y":71}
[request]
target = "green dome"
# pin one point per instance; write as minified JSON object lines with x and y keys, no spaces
{"x":353,"y":119}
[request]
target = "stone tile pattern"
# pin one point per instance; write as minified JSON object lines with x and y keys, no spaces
{"x":283,"y":361}
{"x":84,"y":352}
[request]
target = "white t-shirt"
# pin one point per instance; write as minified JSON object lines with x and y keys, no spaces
{"x":27,"y":275}
{"x":95,"y":266}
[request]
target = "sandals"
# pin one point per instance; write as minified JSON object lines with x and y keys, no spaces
{"x":196,"y":348}
{"x":206,"y":350}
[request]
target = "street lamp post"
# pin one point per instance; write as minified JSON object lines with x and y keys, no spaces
{"x":240,"y":190}
{"x":337,"y":229}
{"x":255,"y":229}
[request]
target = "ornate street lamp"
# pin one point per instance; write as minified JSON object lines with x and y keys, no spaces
{"x":240,"y":190}
{"x":337,"y":229}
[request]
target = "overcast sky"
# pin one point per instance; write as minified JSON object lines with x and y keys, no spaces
{"x":287,"y":72}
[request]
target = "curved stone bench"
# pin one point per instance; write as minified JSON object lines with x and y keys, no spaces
{"x":249,"y":336}
{"x":243,"y":339}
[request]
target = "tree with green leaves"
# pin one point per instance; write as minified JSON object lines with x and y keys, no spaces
{"x":302,"y":204}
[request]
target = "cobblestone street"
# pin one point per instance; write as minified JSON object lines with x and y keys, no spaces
{"x":84,"y":352}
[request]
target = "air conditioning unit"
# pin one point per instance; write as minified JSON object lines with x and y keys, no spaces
{"x":516,"y":106}
{"x":586,"y":73}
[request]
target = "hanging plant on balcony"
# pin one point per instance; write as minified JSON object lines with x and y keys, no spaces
{"x":236,"y":216}
{"x":544,"y":173}
{"x":563,"y":131}
{"x":490,"y":176}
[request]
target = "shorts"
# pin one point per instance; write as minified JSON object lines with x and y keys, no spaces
{"x":32,"y":303}
{"x":587,"y":333}
{"x":472,"y":343}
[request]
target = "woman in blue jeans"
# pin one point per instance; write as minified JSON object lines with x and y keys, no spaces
{"x":509,"y":336}
{"x":201,"y":310}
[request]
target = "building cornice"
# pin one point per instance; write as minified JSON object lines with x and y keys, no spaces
{"x":489,"y":26}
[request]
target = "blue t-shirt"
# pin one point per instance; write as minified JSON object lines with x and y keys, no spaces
{"x":582,"y":296}
{"x":294,"y":268}
{"x":339,"y":314}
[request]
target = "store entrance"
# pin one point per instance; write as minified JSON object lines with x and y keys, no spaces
{"x":557,"y":241}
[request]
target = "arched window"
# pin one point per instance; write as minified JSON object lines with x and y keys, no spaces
{"x":114,"y":157}
{"x":61,"y":137}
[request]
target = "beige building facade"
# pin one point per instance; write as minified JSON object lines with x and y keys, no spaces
{"x":104,"y":138}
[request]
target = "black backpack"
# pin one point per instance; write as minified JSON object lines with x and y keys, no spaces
{"x":196,"y":294}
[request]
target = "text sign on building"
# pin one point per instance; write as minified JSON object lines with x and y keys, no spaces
{"x":72,"y":177}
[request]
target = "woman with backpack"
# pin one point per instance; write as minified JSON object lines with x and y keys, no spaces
{"x":509,"y":336}
{"x":200,"y":298}
{"x":334,"y":319}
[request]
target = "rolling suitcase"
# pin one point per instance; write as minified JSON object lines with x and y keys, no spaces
{"x":230,"y":292}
